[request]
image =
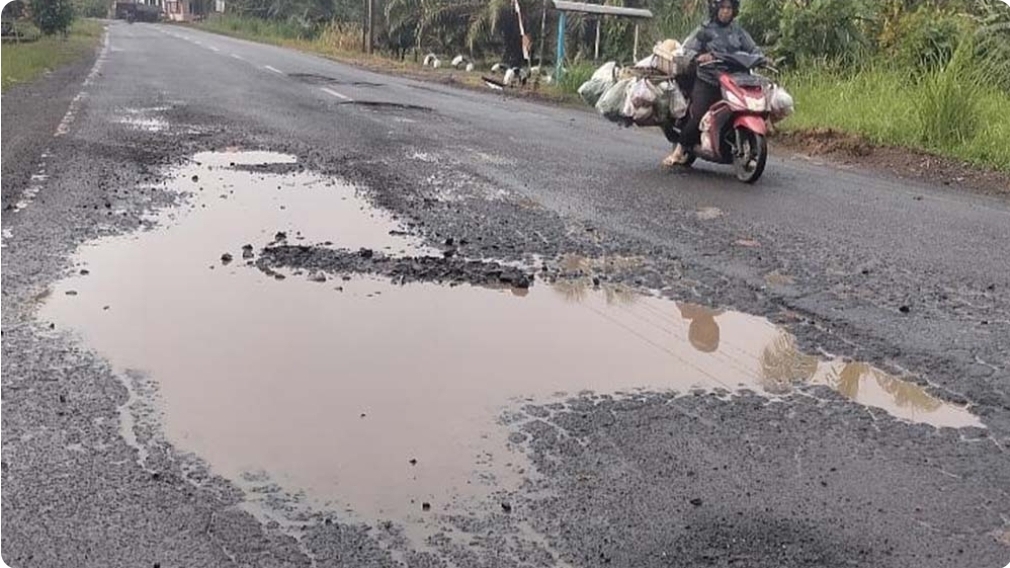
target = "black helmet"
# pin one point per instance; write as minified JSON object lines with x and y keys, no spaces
{"x":713,"y":8}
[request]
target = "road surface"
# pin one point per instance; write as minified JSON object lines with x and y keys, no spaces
{"x":812,"y":371}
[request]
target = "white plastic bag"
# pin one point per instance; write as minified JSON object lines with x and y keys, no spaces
{"x":601,"y":80}
{"x":606,"y":72}
{"x":678,"y":102}
{"x":612,"y":103}
{"x":781,"y":103}
{"x":593,"y":89}
{"x":644,"y":94}
{"x":627,"y":110}
{"x":672,"y":101}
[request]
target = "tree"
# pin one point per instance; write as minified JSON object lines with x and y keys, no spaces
{"x":52,"y":16}
{"x":14,"y":10}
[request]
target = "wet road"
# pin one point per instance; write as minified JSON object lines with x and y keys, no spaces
{"x":265,"y":309}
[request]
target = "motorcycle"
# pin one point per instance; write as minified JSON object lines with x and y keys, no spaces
{"x":734,"y":129}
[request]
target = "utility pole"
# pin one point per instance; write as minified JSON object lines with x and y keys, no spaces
{"x":371,"y":26}
{"x":543,"y":33}
{"x":599,"y":24}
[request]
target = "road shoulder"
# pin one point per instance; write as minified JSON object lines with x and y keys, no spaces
{"x":31,"y":114}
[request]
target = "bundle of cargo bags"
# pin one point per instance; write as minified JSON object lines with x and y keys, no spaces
{"x":646,"y":94}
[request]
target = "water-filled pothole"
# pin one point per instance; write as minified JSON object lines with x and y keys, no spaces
{"x":380,"y":397}
{"x":380,"y":105}
{"x":316,"y":79}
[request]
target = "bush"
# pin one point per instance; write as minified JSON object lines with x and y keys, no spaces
{"x":992,"y":52}
{"x":91,"y":8}
{"x":23,"y":30}
{"x":761,"y":19}
{"x":257,"y":28}
{"x":824,"y":29}
{"x":927,"y":38}
{"x":52,"y":16}
{"x":672,"y":19}
{"x":342,"y":36}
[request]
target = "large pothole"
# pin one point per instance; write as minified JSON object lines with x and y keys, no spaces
{"x":331,"y":377}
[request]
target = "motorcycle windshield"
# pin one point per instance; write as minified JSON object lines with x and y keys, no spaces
{"x":742,"y":60}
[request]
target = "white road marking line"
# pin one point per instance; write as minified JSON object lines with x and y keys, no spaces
{"x":64,"y":126}
{"x":39,"y":178}
{"x":237,"y":56}
{"x":274,"y":69}
{"x":212,"y":48}
{"x":334,"y":93}
{"x":35,"y":185}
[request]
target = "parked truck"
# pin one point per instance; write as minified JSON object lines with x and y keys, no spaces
{"x":137,"y":12}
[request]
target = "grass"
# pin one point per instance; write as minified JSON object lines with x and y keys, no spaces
{"x":255,"y":29}
{"x":334,"y":39}
{"x":574,"y":76}
{"x":941,"y":112}
{"x":24,"y":62}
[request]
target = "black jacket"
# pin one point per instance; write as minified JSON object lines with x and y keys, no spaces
{"x":714,"y":37}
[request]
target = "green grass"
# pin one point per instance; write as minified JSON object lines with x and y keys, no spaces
{"x":575,"y":76}
{"x":255,"y":29}
{"x":335,"y":40}
{"x":23,"y":62}
{"x":941,"y":113}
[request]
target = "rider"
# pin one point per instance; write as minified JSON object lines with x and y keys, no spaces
{"x":721,"y":34}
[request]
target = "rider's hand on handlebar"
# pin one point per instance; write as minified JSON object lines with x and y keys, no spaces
{"x":706,"y":58}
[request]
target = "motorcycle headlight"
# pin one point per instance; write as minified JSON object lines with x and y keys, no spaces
{"x":734,"y":100}
{"x":757,"y":104}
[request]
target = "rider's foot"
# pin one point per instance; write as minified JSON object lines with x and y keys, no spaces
{"x":677,"y":158}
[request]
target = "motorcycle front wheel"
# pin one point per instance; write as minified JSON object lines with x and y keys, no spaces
{"x":750,"y":159}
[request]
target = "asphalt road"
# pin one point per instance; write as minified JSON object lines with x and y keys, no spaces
{"x":906,"y":277}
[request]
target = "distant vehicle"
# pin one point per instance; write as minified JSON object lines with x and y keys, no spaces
{"x":136,"y":12}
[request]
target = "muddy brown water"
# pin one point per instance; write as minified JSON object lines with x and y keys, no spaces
{"x":331,"y":389}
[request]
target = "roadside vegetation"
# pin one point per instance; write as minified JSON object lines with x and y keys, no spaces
{"x":925,"y":74}
{"x":42,"y":35}
{"x":334,"y":38}
{"x":928,"y":75}
{"x":25,"y":61}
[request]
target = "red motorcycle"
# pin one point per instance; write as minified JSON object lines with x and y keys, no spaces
{"x":733,"y":131}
